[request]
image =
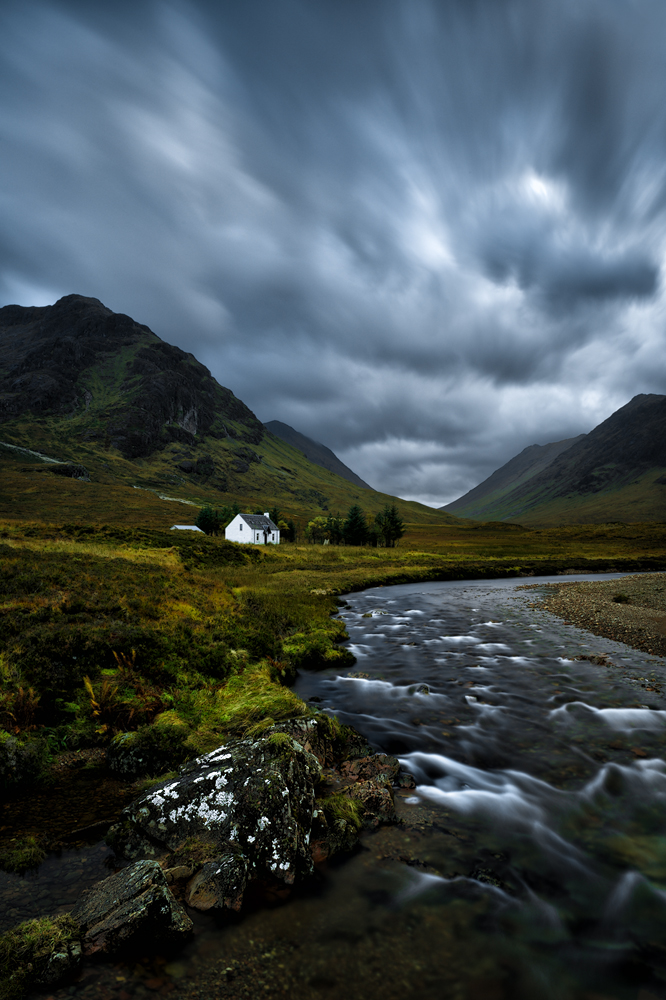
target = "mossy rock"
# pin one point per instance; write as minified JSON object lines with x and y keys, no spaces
{"x":37,"y":953}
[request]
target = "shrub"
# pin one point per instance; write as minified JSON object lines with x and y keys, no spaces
{"x":20,"y":760}
{"x":315,"y":651}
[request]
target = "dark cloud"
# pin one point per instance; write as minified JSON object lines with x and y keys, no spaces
{"x":426,"y":233}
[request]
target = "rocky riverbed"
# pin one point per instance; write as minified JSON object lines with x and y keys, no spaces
{"x":630,"y":610}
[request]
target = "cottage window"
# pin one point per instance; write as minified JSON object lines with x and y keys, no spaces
{"x":240,"y":527}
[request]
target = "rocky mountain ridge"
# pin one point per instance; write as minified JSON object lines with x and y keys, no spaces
{"x":615,"y":472}
{"x":131,"y":390}
{"x":105,"y":397}
{"x":315,"y":451}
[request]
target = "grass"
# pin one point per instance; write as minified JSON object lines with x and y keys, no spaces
{"x":110,"y":629}
{"x":22,"y":855}
{"x":25,"y":950}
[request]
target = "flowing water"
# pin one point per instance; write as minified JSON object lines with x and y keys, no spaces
{"x":530,"y":860}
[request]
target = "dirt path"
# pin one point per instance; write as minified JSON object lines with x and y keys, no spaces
{"x":630,"y":610}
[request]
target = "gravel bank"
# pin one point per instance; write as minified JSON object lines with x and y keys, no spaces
{"x":630,"y":610}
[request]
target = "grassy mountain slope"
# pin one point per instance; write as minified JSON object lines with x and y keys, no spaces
{"x":483,"y":500}
{"x":315,"y":452}
{"x":617,"y":472}
{"x":86,"y":386}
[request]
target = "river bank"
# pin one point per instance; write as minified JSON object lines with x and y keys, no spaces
{"x":193,"y":644}
{"x":631,"y":610}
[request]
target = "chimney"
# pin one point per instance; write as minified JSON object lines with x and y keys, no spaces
{"x":266,"y":514}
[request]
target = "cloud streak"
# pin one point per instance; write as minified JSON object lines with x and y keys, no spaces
{"x":427,"y":234}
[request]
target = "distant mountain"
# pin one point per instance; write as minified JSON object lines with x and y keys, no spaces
{"x":116,"y":407}
{"x":492,"y":491}
{"x":314,"y":451}
{"x":617,"y":472}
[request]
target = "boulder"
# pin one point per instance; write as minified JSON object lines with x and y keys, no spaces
{"x":132,"y":908}
{"x":325,"y":739}
{"x":376,"y":766}
{"x":255,"y":798}
{"x":247,"y":811}
{"x":332,"y":834}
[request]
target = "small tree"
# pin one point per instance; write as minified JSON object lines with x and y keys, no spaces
{"x":390,"y":525}
{"x":208,"y":520}
{"x":355,"y":528}
{"x":227,"y":513}
{"x":315,"y":531}
{"x":334,"y":529}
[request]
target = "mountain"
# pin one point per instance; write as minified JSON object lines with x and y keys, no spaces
{"x":492,"y":491}
{"x":315,"y":452}
{"x":617,"y":472}
{"x":101,"y":400}
{"x":77,"y":360}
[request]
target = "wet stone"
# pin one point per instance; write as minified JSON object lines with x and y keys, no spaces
{"x":220,"y":884}
{"x":132,"y":908}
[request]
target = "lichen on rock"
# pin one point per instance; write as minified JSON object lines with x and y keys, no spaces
{"x":250,"y":796}
{"x":260,"y":809}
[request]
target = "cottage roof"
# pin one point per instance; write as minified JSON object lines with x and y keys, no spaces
{"x":259,"y":522}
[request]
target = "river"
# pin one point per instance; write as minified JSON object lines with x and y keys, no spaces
{"x":530,"y":860}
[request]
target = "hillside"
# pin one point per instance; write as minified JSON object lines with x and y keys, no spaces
{"x":617,"y":472}
{"x":105,"y":396}
{"x":485,"y":497}
{"x":315,"y":452}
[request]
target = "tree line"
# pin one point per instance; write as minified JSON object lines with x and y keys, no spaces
{"x":386,"y":528}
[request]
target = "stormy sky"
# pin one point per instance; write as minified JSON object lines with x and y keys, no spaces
{"x":427,"y":233}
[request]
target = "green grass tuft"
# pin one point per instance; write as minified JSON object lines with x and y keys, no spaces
{"x":342,"y":807}
{"x":22,"y":855}
{"x":25,"y":950}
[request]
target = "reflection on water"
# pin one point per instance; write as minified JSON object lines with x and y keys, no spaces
{"x":530,"y":860}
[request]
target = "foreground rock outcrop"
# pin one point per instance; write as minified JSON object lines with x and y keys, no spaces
{"x":260,"y":810}
{"x":255,"y":797}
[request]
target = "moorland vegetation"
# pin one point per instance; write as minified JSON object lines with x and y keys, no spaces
{"x":190,"y":639}
{"x":186,"y":641}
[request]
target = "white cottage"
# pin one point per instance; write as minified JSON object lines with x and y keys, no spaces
{"x":255,"y":529}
